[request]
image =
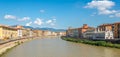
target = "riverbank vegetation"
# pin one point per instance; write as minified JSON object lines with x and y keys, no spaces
{"x":91,"y":42}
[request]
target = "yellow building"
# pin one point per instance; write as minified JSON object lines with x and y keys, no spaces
{"x":47,"y":33}
{"x":61,"y":33}
{"x":7,"y":32}
{"x":39,"y":33}
{"x":24,"y":32}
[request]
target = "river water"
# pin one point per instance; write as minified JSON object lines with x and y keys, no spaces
{"x":56,"y":47}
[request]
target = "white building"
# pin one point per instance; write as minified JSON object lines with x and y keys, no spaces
{"x":31,"y":33}
{"x":24,"y":32}
{"x":99,"y":34}
{"x":109,"y":35}
{"x":19,"y":33}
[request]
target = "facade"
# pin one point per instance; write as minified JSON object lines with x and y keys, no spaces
{"x":109,"y":35}
{"x":75,"y":33}
{"x":69,"y":32}
{"x":47,"y":33}
{"x":99,"y":35}
{"x":20,"y":33}
{"x":61,"y":33}
{"x":7,"y":32}
{"x":19,"y":29}
{"x":116,"y":29}
{"x":54,"y":33}
{"x":104,"y":31}
{"x":83,"y":29}
{"x":39,"y":33}
{"x":105,"y":27}
{"x":24,"y":32}
{"x":78,"y":32}
{"x":72,"y":32}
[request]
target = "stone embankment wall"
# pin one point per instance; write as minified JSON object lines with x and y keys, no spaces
{"x":9,"y":45}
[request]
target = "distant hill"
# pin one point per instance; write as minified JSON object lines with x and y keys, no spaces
{"x":28,"y":27}
{"x":51,"y":29}
{"x":46,"y":28}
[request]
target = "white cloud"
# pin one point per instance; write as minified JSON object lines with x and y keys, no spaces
{"x":51,"y":22}
{"x":14,"y":17}
{"x":10,"y":17}
{"x":107,"y":12}
{"x":24,"y":19}
{"x":28,"y":24}
{"x":102,"y":6}
{"x":117,"y":14}
{"x":42,"y":11}
{"x":38,"y":21}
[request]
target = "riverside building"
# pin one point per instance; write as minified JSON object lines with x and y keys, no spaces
{"x":7,"y":32}
{"x":78,"y":32}
{"x":100,"y":35}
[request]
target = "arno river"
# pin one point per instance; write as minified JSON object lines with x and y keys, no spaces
{"x":55,"y":47}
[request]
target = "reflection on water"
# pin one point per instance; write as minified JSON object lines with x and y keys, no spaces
{"x":55,"y":47}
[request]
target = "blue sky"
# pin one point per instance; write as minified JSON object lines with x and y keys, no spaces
{"x":59,"y":13}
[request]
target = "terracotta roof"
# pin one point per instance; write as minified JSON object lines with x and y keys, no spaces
{"x":105,"y":25}
{"x":5,"y":26}
{"x":117,"y":23}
